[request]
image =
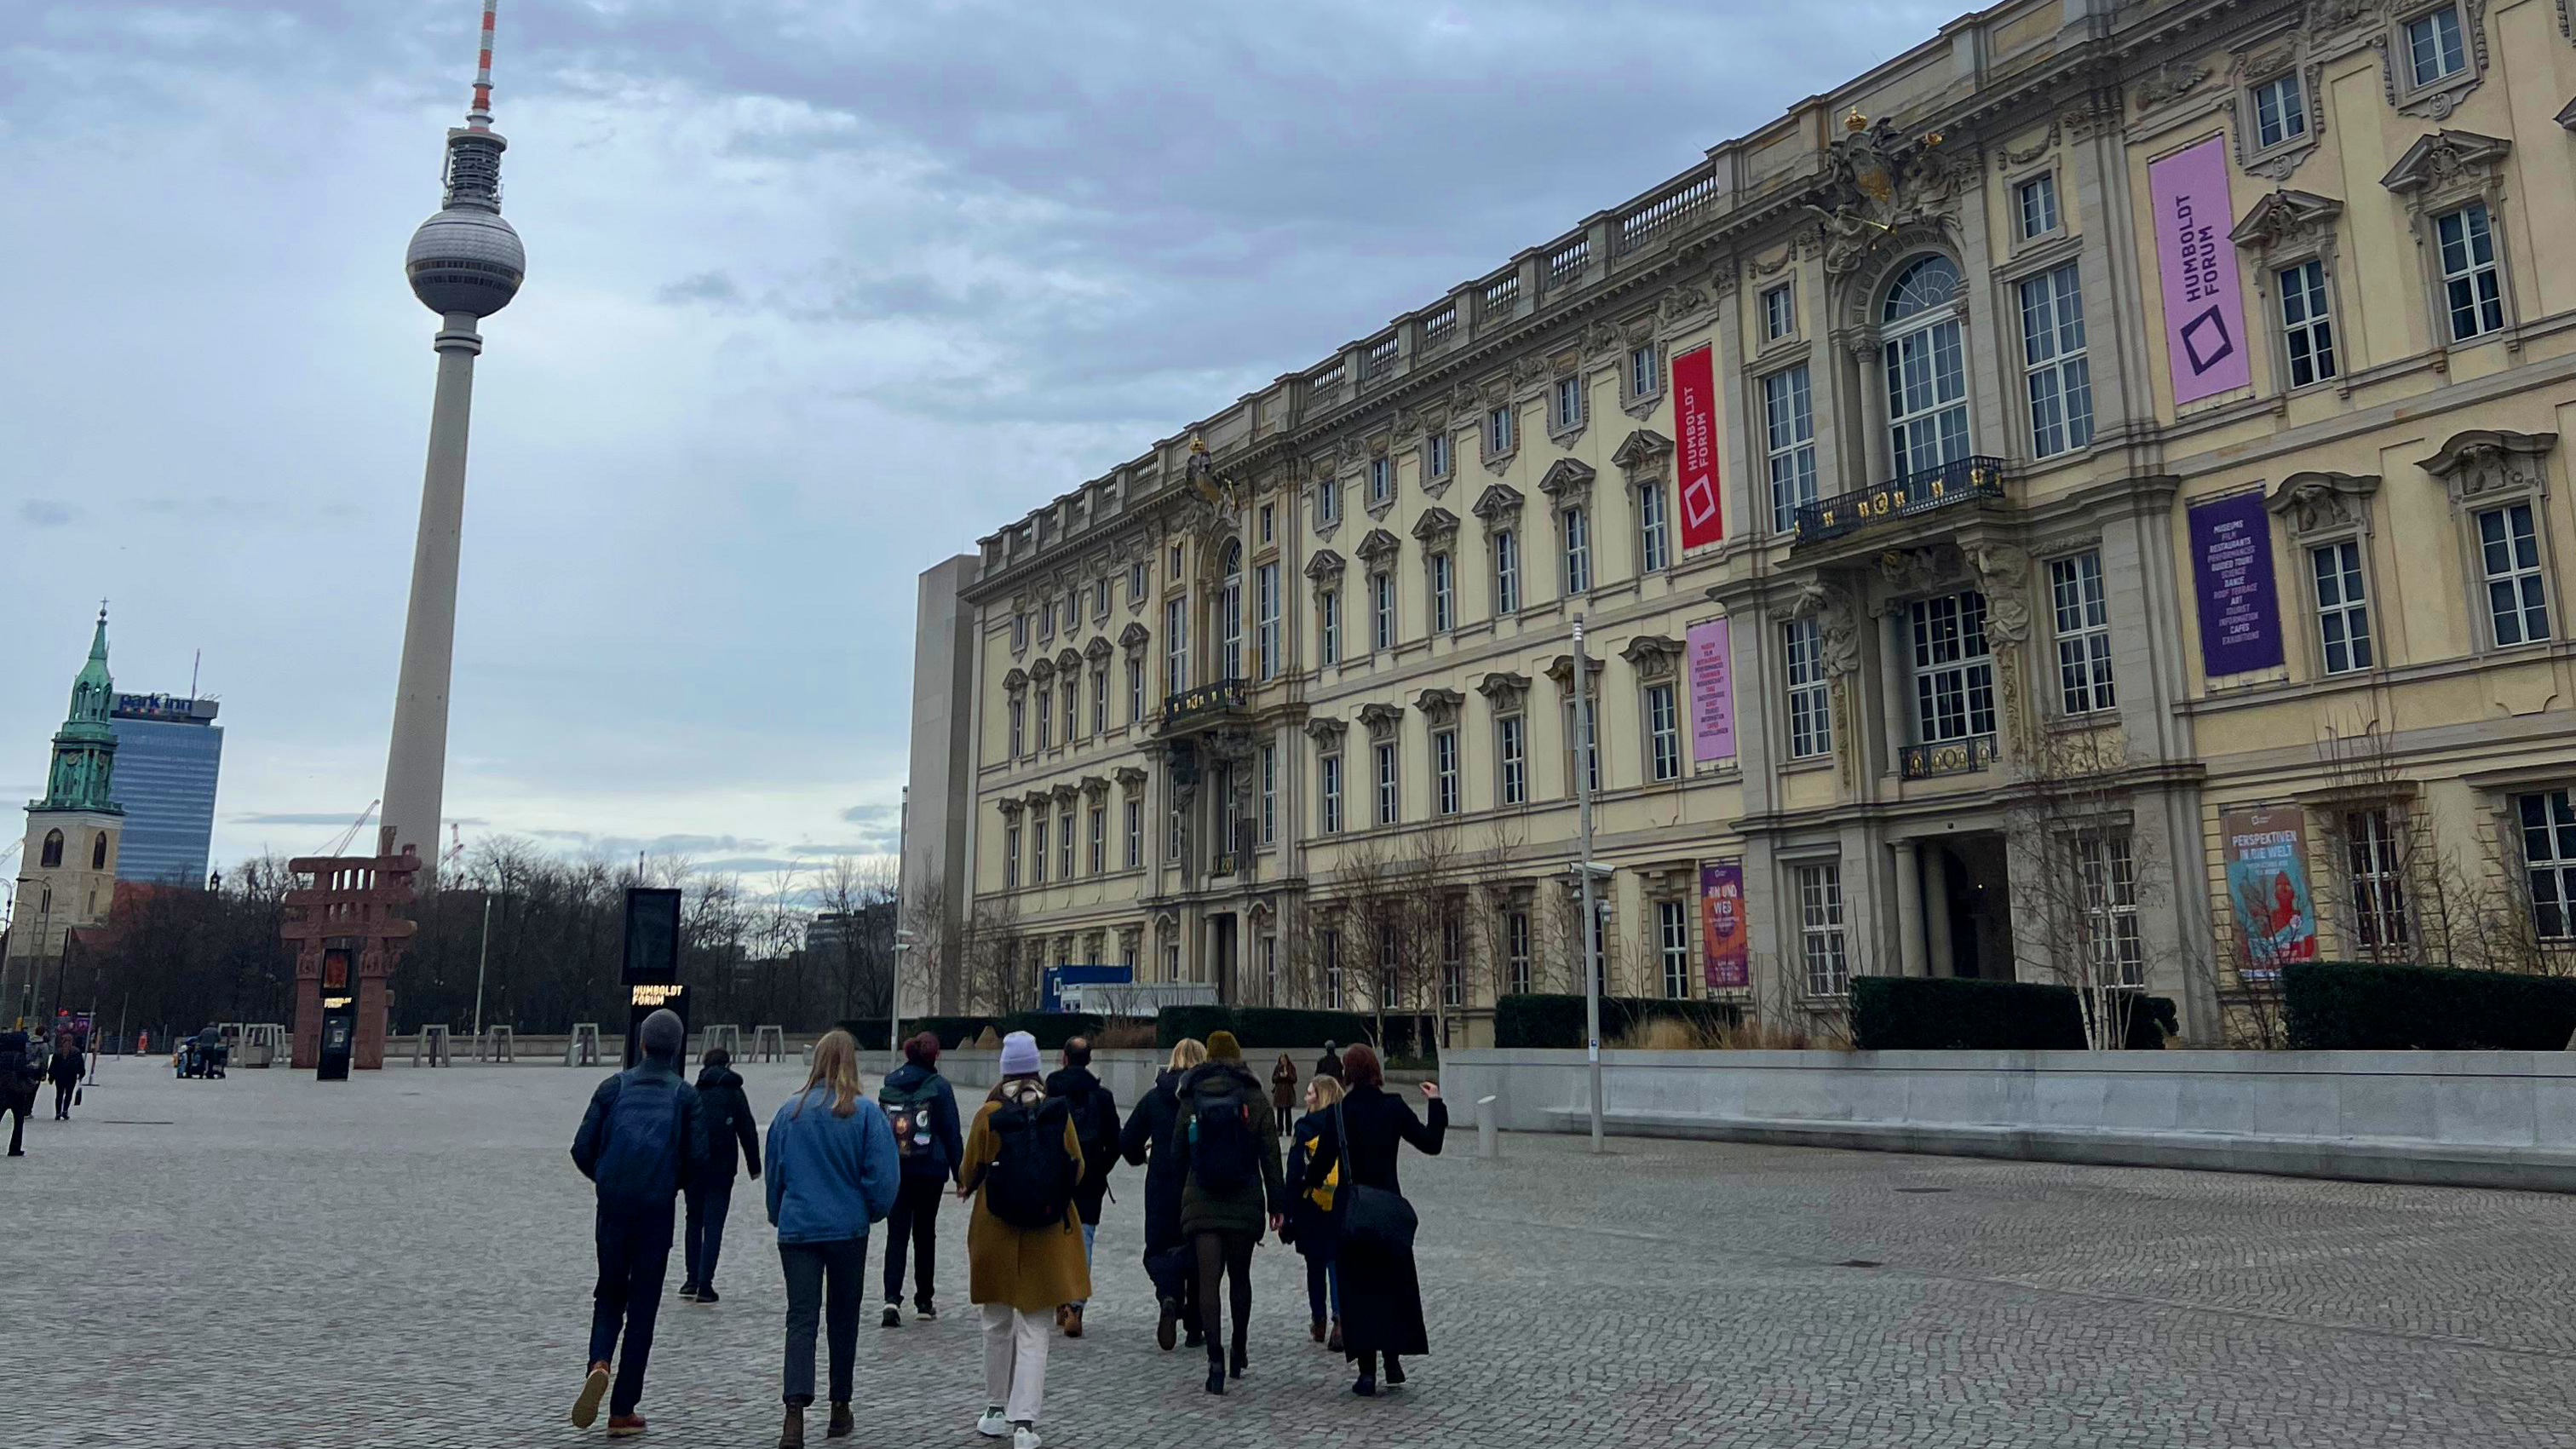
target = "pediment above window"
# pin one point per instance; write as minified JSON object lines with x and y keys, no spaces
{"x":1379,"y":545}
{"x":1652,"y":655}
{"x":1095,"y":786}
{"x":2285,"y":219}
{"x":1440,"y":706}
{"x":2486,"y":461}
{"x":1009,"y":805}
{"x":2315,"y":502}
{"x":1499,"y":503}
{"x":1643,"y":448}
{"x":1132,"y":637}
{"x":1503,"y":688}
{"x":1069,"y":661}
{"x":1098,"y":649}
{"x":1130,"y":778}
{"x":1324,"y":730}
{"x":1560,"y":670}
{"x":2447,"y":160}
{"x":1381,"y":720}
{"x":1435,"y":524}
{"x":1042,"y":671}
{"x":1567,"y":480}
{"x":1016,"y":680}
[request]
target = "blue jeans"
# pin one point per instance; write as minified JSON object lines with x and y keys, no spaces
{"x":702,"y":1240}
{"x":1323,"y":1284}
{"x":822,"y":1278}
{"x":1090,"y":1234}
{"x":634,"y":1254}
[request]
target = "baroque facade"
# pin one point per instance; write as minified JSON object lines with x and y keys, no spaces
{"x":2136,"y":437}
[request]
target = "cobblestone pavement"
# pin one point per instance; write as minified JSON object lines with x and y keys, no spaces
{"x":405,"y":1260}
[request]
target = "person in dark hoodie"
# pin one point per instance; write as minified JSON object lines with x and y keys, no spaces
{"x":1095,"y":1126}
{"x":1228,"y":1143}
{"x":17,"y":1087}
{"x":641,"y":1143}
{"x":1149,"y":1130}
{"x":922,"y":1109}
{"x":728,"y":1119}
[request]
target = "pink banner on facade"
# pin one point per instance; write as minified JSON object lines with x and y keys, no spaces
{"x":1728,"y":952}
{"x":2204,"y":305}
{"x":1695,"y":450}
{"x":1712,"y":687}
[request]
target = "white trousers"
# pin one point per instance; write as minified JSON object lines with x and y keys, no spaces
{"x":1015,"y":1352}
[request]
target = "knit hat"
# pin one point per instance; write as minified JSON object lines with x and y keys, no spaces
{"x":1019,"y":1055}
{"x":1222,"y":1047}
{"x":663,"y":1034}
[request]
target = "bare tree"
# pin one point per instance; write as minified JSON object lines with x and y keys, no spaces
{"x":2082,"y":865}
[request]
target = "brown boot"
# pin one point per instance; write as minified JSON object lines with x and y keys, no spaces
{"x":1073,"y":1322}
{"x":1333,"y":1340}
{"x":625,"y":1426}
{"x":1063,"y":1311}
{"x":791,"y":1435}
{"x":1316,"y":1330}
{"x":842,"y":1426}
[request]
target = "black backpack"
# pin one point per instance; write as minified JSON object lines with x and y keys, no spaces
{"x":1221,"y":1150}
{"x":1031,"y":1184}
{"x":1091,"y":1128}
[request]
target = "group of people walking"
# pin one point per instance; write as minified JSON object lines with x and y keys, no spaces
{"x":26,"y":1065}
{"x":1033,"y":1166}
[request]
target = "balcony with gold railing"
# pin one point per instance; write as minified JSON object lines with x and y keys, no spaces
{"x":1947,"y":485}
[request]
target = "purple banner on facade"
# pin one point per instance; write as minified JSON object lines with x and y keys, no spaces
{"x":2231,"y":570}
{"x":1712,"y":686}
{"x":2204,"y":306}
{"x":1728,"y":950}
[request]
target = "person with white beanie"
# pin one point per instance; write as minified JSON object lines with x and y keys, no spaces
{"x":1024,"y":1252}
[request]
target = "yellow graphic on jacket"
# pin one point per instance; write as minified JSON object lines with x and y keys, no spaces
{"x":1322,"y":1197}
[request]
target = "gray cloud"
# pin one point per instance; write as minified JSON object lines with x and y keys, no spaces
{"x":700,"y":288}
{"x":47,"y":513}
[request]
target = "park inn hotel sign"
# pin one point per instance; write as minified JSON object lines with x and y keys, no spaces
{"x":2123,"y":423}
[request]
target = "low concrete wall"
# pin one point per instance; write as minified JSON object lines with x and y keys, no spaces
{"x":2468,"y":1119}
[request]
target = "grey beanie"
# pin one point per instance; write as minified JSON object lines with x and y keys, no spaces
{"x":663,"y":1034}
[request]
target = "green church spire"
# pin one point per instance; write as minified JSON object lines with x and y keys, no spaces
{"x":85,"y":748}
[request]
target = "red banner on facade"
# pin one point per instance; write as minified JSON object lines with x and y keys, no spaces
{"x":1695,"y":419}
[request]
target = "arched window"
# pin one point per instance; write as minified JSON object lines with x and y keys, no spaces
{"x":1927,"y":374}
{"x":98,"y":851}
{"x":1229,"y":614}
{"x":53,"y":848}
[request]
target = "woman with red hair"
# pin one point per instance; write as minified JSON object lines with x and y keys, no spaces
{"x":1381,"y":1295}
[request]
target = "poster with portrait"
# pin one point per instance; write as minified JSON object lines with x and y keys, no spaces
{"x":1727,"y":948}
{"x":2267,"y":879}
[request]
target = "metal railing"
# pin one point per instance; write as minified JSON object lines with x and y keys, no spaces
{"x":1440,"y":326}
{"x":1222,"y":697}
{"x":1961,"y":480}
{"x":1948,"y":757}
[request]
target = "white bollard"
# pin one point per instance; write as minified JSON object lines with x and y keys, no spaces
{"x":1488,"y":1140}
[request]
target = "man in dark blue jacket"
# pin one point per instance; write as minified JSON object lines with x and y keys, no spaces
{"x":922,"y":1108}
{"x":641,"y":1143}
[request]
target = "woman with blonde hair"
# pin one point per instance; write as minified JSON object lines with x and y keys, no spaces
{"x":1311,"y":1227}
{"x":1024,"y":1242}
{"x":832,"y":1171}
{"x":1167,"y":1253}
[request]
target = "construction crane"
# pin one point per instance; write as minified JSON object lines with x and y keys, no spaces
{"x":454,"y":859}
{"x":341,"y":844}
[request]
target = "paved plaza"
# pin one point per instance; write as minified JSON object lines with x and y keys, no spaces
{"x":405,"y":1260}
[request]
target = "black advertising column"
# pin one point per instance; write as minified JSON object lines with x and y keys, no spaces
{"x":339,"y":1013}
{"x":652,"y":973}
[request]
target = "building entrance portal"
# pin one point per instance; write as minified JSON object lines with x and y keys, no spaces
{"x":1971,"y":887}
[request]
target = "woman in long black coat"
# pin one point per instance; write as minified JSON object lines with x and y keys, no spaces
{"x":1149,"y":1131}
{"x":1381,"y":1296}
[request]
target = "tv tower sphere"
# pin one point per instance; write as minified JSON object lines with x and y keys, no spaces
{"x":466,"y":259}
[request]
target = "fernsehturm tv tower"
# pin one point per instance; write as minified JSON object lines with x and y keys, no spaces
{"x":465,"y":264}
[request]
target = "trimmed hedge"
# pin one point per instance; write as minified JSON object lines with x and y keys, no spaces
{"x":1260,"y":1026}
{"x":1051,"y":1028}
{"x":1537,"y":1020}
{"x":2365,"y":1006}
{"x":1943,"y":1013}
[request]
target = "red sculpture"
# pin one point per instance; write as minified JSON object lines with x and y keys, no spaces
{"x":350,"y":926}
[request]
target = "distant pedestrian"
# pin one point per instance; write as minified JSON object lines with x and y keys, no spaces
{"x":1283,"y":1088}
{"x":1168,"y":1261}
{"x":1228,"y":1141}
{"x":17,"y":1087}
{"x":1024,"y":1241}
{"x":921,"y":1109}
{"x":1381,"y":1295}
{"x":642,"y":1144}
{"x":833,"y":1170}
{"x":1095,"y":1126}
{"x":729,"y":1122}
{"x":1330,"y":1063}
{"x":66,"y":1072}
{"x":1311,"y":1224}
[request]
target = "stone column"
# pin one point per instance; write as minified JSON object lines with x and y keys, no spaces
{"x":1909,"y":908}
{"x":1936,"y":913}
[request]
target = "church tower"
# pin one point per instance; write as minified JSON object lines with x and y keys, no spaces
{"x":67,"y":868}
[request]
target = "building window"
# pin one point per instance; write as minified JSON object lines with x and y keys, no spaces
{"x":2107,"y":885}
{"x":1136,"y":582}
{"x":1127,"y":955}
{"x":1654,"y":549}
{"x":2053,"y":361}
{"x":2035,"y":203}
{"x":1064,"y":843}
{"x":2083,"y":633}
{"x":1328,"y":626}
{"x":1583,"y":729}
{"x":1511,"y":755}
{"x":1046,"y":620}
{"x":1176,"y":645}
{"x":1578,"y":551}
{"x":1175,"y":834}
{"x":2378,"y":889}
{"x":1330,"y":948}
{"x":1644,"y":377}
{"x":1444,"y":594}
{"x":1010,"y":855}
{"x":1270,"y":969}
{"x":1099,"y":839}
{"x":1266,"y":594}
{"x":1328,"y":501}
{"x":2549,"y":855}
{"x":2343,"y":606}
{"x":1100,"y":699}
{"x":1100,"y":601}
{"x":1019,"y":726}
{"x":1046,"y":717}
{"x":1135,"y":690}
{"x":1038,"y":850}
{"x":1789,"y":432}
{"x":1820,"y":929}
{"x":1516,"y":951}
{"x":2280,"y":111}
{"x":1382,"y":611}
{"x":1435,"y":456}
{"x":1387,"y":802}
{"x":1381,"y":479}
{"x":1229,"y":827}
{"x":1498,"y":431}
{"x":1270,"y":794}
{"x":2433,"y":49}
{"x":1172,"y":959}
{"x":2307,"y":332}
{"x":1927,"y":375}
{"x":1328,"y":794}
{"x":1569,"y":403}
{"x":1954,"y":676}
{"x":2472,"y":291}
{"x":1020,"y":630}
{"x":2509,"y":554}
{"x":1453,"y":958}
{"x":1072,"y":706}
{"x":1663,"y":734}
{"x":1268,"y":529}
{"x":1779,"y":312}
{"x":1229,"y":613}
{"x":1444,"y":769}
{"x":1172,"y":562}
{"x":1811,"y":729}
{"x":1507,"y":571}
{"x":1672,"y":944}
{"x":1135,"y":834}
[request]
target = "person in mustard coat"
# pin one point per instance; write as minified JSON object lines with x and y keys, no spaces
{"x":1024,"y":1252}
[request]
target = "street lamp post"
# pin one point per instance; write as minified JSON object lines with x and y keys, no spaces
{"x":1591,"y":928}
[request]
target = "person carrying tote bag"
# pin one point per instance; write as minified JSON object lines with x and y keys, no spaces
{"x":1381,"y":1295}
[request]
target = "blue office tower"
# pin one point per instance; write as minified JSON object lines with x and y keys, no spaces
{"x":169,"y":752}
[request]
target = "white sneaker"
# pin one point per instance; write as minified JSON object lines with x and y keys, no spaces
{"x":994,"y":1424}
{"x":1025,"y":1438}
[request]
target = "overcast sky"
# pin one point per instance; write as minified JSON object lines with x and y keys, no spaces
{"x":819,"y":291}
